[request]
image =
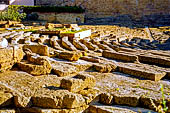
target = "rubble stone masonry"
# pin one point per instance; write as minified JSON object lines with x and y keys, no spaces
{"x":105,"y":8}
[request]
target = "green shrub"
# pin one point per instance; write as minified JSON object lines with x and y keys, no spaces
{"x":12,"y":14}
{"x":57,"y":9}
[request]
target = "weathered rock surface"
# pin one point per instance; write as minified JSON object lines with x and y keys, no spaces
{"x":68,"y":45}
{"x":99,"y":108}
{"x":90,"y":59}
{"x":104,"y":47}
{"x":6,"y":99}
{"x":89,"y":45}
{"x":62,"y":69}
{"x":9,"y":56}
{"x":81,"y":65}
{"x":71,"y":56}
{"x":36,"y":65}
{"x":120,"y":56}
{"x":44,"y":39}
{"x":154,"y":98}
{"x":106,"y":98}
{"x":79,"y":45}
{"x":104,"y":67}
{"x":90,"y":95}
{"x":7,"y":111}
{"x":141,"y":70}
{"x":39,"y":49}
{"x":78,"y":82}
{"x":63,"y":99}
{"x":154,"y":59}
{"x":21,"y":91}
{"x":43,"y":110}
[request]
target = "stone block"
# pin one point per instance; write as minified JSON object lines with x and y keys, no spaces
{"x":124,"y":56}
{"x":144,"y":71}
{"x":90,"y":95}
{"x":89,"y":80}
{"x":81,"y":65}
{"x":154,"y":59}
{"x":106,"y":98}
{"x":44,"y":110}
{"x":90,"y":59}
{"x":39,"y":49}
{"x":34,"y":37}
{"x":71,"y":56}
{"x":89,"y":45}
{"x":35,"y":67}
{"x":72,"y":84}
{"x":104,"y":47}
{"x":68,"y":45}
{"x":155,"y":97}
{"x":126,"y":99}
{"x":99,"y":108}
{"x":78,"y":83}
{"x":61,"y":99}
{"x":104,"y":67}
{"x":44,"y":39}
{"x":6,"y":99}
{"x":16,"y":83}
{"x":62,"y":69}
{"x":9,"y":56}
{"x":79,"y":45}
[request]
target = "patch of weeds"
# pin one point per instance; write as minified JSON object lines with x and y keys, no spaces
{"x":117,"y":89}
{"x":162,"y":108}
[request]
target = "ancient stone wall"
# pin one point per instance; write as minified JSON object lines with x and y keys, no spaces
{"x":62,"y":17}
{"x":104,"y":8}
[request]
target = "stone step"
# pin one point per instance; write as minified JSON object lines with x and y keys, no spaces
{"x":124,"y":56}
{"x":39,"y":49}
{"x":9,"y":56}
{"x":80,"y":65}
{"x":89,"y":45}
{"x":21,"y":91}
{"x":154,"y":59}
{"x":67,"y":44}
{"x":62,"y":69}
{"x":147,"y":100}
{"x":104,"y":47}
{"x":78,"y":82}
{"x":79,"y":45}
{"x":71,"y":56}
{"x":46,"y":110}
{"x":105,"y":67}
{"x":58,"y":98}
{"x":90,"y":59}
{"x":144,"y":71}
{"x":99,"y":108}
{"x":35,"y":65}
{"x":161,"y":53}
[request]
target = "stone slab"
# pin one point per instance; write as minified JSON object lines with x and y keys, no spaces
{"x":120,"y":56}
{"x":39,"y":49}
{"x":144,"y":71}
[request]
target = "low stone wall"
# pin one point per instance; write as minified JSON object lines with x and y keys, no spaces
{"x":66,"y":18}
{"x":105,"y":8}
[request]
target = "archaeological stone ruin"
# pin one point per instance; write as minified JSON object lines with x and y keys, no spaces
{"x":66,"y":68}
